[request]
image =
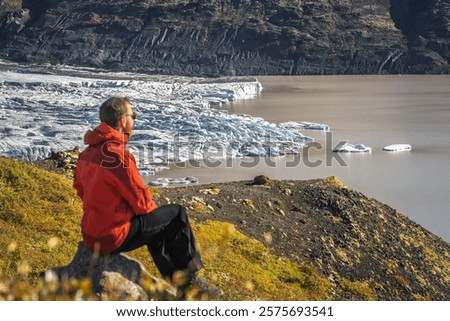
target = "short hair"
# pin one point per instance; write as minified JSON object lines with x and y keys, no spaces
{"x":112,"y":109}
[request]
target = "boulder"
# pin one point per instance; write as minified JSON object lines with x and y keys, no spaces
{"x":261,"y":180}
{"x":112,"y":276}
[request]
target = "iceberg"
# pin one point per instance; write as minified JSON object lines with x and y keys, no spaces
{"x":349,"y":148}
{"x":397,"y":148}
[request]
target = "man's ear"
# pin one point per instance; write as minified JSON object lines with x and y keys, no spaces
{"x":122,"y":122}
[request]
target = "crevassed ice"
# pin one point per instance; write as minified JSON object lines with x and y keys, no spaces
{"x":44,"y":112}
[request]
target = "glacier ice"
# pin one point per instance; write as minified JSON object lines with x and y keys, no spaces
{"x":397,"y":148}
{"x":47,"y":110}
{"x":304,"y":125}
{"x":166,"y":181}
{"x":350,"y":148}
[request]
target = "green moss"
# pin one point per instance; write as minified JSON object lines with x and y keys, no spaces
{"x":35,"y":207}
{"x":248,"y":270}
{"x":249,"y":203}
{"x":210,"y":191}
{"x":39,"y":223}
{"x":278,"y":203}
{"x":392,"y":266}
{"x":361,"y":288}
{"x":419,"y":297}
{"x":441,"y":264}
{"x":335,"y":181}
{"x":198,"y":207}
{"x":402,"y":281}
{"x":156,"y":192}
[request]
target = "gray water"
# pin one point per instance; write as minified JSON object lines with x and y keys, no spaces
{"x":374,"y":110}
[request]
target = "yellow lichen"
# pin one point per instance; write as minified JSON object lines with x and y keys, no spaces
{"x":211,"y":191}
{"x":278,"y":203}
{"x":246,"y":261}
{"x":198,"y":207}
{"x":36,"y":208}
{"x":335,"y":181}
{"x":249,"y":203}
{"x":392,"y":266}
{"x":156,"y":192}
{"x":361,"y":288}
{"x":402,"y":281}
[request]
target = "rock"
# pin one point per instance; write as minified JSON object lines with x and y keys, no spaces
{"x":116,"y":287}
{"x":62,"y":162}
{"x":425,"y":23}
{"x":261,"y":180}
{"x":13,"y":22}
{"x":67,"y":160}
{"x":113,"y":277}
{"x":223,"y":38}
{"x":10,"y":5}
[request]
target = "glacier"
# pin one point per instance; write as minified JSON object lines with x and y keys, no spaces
{"x":45,"y":108}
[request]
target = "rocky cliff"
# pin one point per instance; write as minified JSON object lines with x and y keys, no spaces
{"x":426,"y":26}
{"x":231,"y":37}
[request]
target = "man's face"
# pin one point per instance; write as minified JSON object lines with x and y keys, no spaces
{"x":128,"y":122}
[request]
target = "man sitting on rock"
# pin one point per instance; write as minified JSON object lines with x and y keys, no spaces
{"x":120,"y":214}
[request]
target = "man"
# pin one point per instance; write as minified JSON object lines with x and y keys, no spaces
{"x":119,"y":212}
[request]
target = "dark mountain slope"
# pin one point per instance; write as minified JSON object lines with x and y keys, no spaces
{"x":230,"y":37}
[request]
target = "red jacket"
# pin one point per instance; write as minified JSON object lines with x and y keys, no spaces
{"x":108,"y":182}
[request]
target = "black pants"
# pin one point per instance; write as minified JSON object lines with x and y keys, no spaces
{"x":168,"y":236}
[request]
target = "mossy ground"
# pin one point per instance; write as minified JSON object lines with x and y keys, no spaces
{"x":300,"y":240}
{"x":39,"y":223}
{"x":366,"y":249}
{"x":39,"y":219}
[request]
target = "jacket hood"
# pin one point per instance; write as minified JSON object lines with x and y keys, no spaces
{"x":104,"y":133}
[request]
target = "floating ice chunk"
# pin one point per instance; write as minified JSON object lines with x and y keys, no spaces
{"x":315,"y":126}
{"x":304,"y":125}
{"x":349,"y":148}
{"x":165,"y":181}
{"x":397,"y":148}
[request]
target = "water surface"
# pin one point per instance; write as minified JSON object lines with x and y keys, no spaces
{"x":374,"y":110}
